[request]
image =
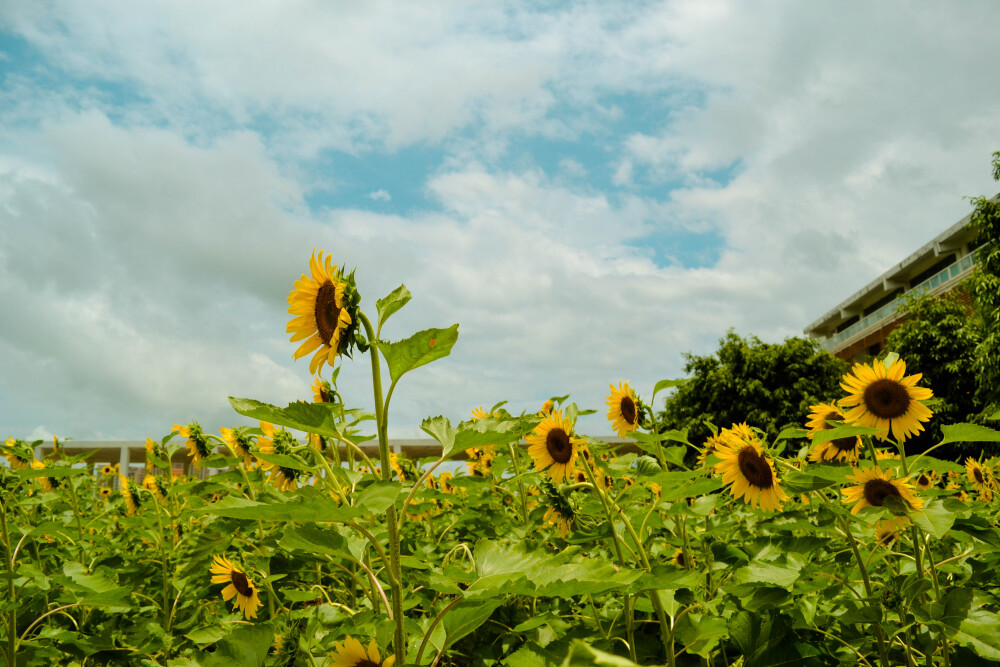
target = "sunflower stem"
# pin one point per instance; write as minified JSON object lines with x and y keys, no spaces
{"x":9,"y":566}
{"x":879,"y":635}
{"x":381,"y":420}
{"x":163,"y":562}
{"x":520,"y":483}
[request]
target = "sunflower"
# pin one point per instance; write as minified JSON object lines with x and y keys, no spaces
{"x":711,"y":446}
{"x":444,"y":482}
{"x":480,"y":458}
{"x":352,"y":654}
{"x":157,"y":485}
{"x":16,"y":459}
{"x":926,"y":480}
{"x":106,"y":492}
{"x":888,"y":531}
{"x":48,"y":483}
{"x":980,"y":478}
{"x":130,"y":493}
{"x":623,"y":410}
{"x":884,"y":399}
{"x":560,"y":518}
{"x":874,"y":485}
{"x":957,"y":492}
{"x":553,"y":447}
{"x":320,"y":305}
{"x":838,"y":449}
{"x":197,"y":442}
{"x":580,"y":477}
{"x":322,"y":391}
{"x":655,"y":488}
{"x":240,"y":441}
{"x":679,"y":559}
{"x":278,"y":442}
{"x":108,"y":470}
{"x":751,"y":473}
{"x":396,"y":467}
{"x":240,"y":586}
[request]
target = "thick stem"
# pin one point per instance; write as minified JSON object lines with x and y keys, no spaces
{"x":12,"y":614}
{"x":883,"y":652}
{"x":392,"y":526}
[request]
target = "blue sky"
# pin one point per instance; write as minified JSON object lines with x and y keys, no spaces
{"x":591,"y":190}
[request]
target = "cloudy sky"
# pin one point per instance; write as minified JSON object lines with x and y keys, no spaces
{"x":589,"y":189}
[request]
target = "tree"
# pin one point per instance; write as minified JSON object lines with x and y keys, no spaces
{"x":939,"y":337}
{"x":767,"y":385}
{"x":985,"y":289}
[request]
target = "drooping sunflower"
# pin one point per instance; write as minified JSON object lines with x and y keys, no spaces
{"x":883,"y":398}
{"x":240,"y":586}
{"x":321,"y":308}
{"x":278,"y":441}
{"x":240,"y":442}
{"x":980,"y":478}
{"x":560,"y":518}
{"x":820,"y":418}
{"x":888,"y":531}
{"x":751,"y":473}
{"x":131,"y":494}
{"x":553,"y":447}
{"x":322,"y":391}
{"x":197,"y":442}
{"x":546,"y":409}
{"x":480,"y":458}
{"x":957,"y":492}
{"x":351,"y":653}
{"x":874,"y":485}
{"x":157,"y":485}
{"x":16,"y":455}
{"x":623,"y":410}
{"x":48,"y":483}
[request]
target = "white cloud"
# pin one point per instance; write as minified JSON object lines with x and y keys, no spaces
{"x":380,"y":195}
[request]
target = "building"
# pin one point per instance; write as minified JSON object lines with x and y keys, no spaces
{"x":857,"y":328}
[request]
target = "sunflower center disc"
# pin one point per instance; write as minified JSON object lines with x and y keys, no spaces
{"x":845,"y":444}
{"x":887,"y":399}
{"x":832,"y":417}
{"x":327,"y":312}
{"x":923,"y":480}
{"x":558,"y":444}
{"x":241,"y":583}
{"x":877,"y":490}
{"x":754,"y":468}
{"x":978,"y":474}
{"x":628,"y":410}
{"x":367,"y":663}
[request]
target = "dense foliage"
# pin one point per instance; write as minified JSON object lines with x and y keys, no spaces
{"x":938,"y":337}
{"x":985,"y":283}
{"x":769,"y":385}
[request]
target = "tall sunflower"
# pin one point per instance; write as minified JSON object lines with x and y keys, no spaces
{"x":280,"y":442}
{"x":131,"y":494}
{"x":321,"y":308}
{"x":711,"y":446}
{"x":480,"y":458}
{"x":623,"y":410}
{"x":883,"y":398}
{"x":751,"y":473}
{"x":820,"y":417}
{"x":980,"y":477}
{"x":351,"y":653}
{"x":240,"y":442}
{"x":322,"y":391}
{"x":240,"y":586}
{"x":874,"y":485}
{"x":48,"y":483}
{"x":197,"y":442}
{"x":553,"y":446}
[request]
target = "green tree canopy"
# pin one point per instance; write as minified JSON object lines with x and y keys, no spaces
{"x":985,"y":282}
{"x":767,"y":385}
{"x":938,"y":338}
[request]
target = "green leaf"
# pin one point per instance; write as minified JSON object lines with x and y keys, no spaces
{"x":392,"y":302}
{"x":767,"y":573}
{"x":207,"y":635}
{"x":792,"y":433}
{"x":968,"y":433}
{"x":308,"y":505}
{"x":421,"y":348}
{"x":466,"y":616}
{"x":797,"y":482}
{"x":838,"y":432}
{"x":582,"y":655}
{"x":319,"y":418}
{"x":245,"y":646}
{"x":933,"y":518}
{"x":54,"y":472}
{"x":315,"y":540}
{"x":979,"y":630}
{"x":378,"y":497}
{"x":666,"y":384}
{"x":994,"y":417}
{"x":440,"y":429}
{"x":284,"y":461}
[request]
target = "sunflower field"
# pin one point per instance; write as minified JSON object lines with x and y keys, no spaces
{"x":308,"y":545}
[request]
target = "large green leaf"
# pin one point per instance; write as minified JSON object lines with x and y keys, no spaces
{"x":933,"y":518}
{"x":421,"y":348}
{"x":466,"y":616}
{"x":392,"y":302}
{"x":838,"y":432}
{"x":284,"y":461}
{"x":666,"y":384}
{"x":245,"y":646}
{"x":476,"y":433}
{"x":308,"y":505}
{"x":53,"y":472}
{"x":582,"y":655}
{"x":797,"y":482}
{"x":315,"y":540}
{"x":319,"y":418}
{"x":968,"y":433}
